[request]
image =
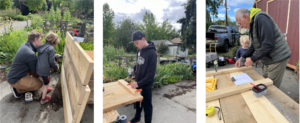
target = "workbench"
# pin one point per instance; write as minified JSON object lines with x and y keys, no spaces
{"x":238,"y":104}
{"x":115,"y":95}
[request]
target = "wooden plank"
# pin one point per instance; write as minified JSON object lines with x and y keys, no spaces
{"x":84,"y":101}
{"x":115,"y":95}
{"x":225,"y":71}
{"x":90,"y":53}
{"x":262,"y":109}
{"x":221,"y":93}
{"x":127,"y":87}
{"x":72,"y":76}
{"x":235,"y":110}
{"x":286,"y":105}
{"x":224,"y":81}
{"x":214,"y":118}
{"x":110,"y":116}
{"x":91,"y":97}
{"x":292,"y":66}
{"x":253,"y":75}
{"x":66,"y":100}
{"x":84,"y":65}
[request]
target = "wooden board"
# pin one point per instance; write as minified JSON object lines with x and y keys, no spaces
{"x":75,"y":86}
{"x":235,"y":110}
{"x":110,"y":116}
{"x":83,"y":62}
{"x":221,"y":93}
{"x":84,"y":101}
{"x":253,"y":75}
{"x":127,"y":87}
{"x":66,"y":99}
{"x":115,"y":95}
{"x":292,"y":66}
{"x":90,"y":53}
{"x":226,"y":71}
{"x":214,"y":118}
{"x":286,"y":105}
{"x":262,"y":109}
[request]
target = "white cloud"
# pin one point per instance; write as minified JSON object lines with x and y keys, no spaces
{"x":221,"y":15}
{"x":223,"y":9}
{"x":236,"y":9}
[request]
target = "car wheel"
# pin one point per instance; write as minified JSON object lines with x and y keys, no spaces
{"x":226,"y":47}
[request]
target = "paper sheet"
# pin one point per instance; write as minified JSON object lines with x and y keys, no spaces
{"x":242,"y":78}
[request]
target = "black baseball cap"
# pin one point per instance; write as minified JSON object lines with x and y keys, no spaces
{"x":137,"y":35}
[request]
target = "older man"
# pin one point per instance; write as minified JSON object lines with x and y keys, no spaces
{"x":267,"y":42}
{"x":22,"y":74}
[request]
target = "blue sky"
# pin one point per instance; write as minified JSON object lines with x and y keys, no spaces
{"x":233,"y":5}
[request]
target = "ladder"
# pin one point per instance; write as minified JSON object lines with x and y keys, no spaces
{"x":214,"y":46}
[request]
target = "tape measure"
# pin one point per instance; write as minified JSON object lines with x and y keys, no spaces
{"x":211,"y":111}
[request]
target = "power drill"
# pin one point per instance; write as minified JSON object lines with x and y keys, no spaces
{"x":243,"y":60}
{"x":57,"y":57}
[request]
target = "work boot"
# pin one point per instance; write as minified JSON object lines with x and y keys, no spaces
{"x":47,"y":99}
{"x":135,"y":120}
{"x":15,"y":93}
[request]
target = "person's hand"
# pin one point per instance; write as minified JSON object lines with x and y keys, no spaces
{"x":132,"y":72}
{"x":134,"y":84}
{"x":248,"y":62}
{"x":238,"y":63}
{"x":57,"y":67}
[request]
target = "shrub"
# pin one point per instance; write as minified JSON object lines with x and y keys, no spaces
{"x":87,"y":46}
{"x":116,"y":61}
{"x":109,"y":52}
{"x":162,"y":48}
{"x":37,"y":22}
{"x":21,"y":18}
{"x":67,"y":15}
{"x":113,"y":72}
{"x":190,"y":52}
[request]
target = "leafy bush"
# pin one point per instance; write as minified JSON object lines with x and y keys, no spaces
{"x":67,"y":15}
{"x":116,"y":61}
{"x":120,"y":52}
{"x":57,"y":15}
{"x":10,"y":43}
{"x":190,"y":52}
{"x":37,"y":22}
{"x":87,"y":46}
{"x":114,"y":73}
{"x":162,"y":48}
{"x":171,"y":73}
{"x":21,"y":18}
{"x":109,"y":52}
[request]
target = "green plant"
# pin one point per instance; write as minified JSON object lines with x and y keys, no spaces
{"x":21,"y":18}
{"x":162,"y":48}
{"x":120,"y":52}
{"x":113,"y":72}
{"x":87,"y":46}
{"x":67,"y":16}
{"x":109,"y":52}
{"x":233,"y":50}
{"x":190,"y":52}
{"x":297,"y":63}
{"x":37,"y":22}
{"x":116,"y":61}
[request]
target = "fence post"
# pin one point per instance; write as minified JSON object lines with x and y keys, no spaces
{"x":119,"y":61}
{"x":126,"y":61}
{"x":45,"y":26}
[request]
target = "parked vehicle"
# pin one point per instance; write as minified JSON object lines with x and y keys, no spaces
{"x":223,"y":36}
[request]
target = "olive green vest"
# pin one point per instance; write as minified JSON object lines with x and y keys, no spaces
{"x":280,"y":52}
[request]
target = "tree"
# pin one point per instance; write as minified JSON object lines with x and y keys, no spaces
{"x":5,"y":4}
{"x":165,"y":31}
{"x":188,"y":25}
{"x":108,"y":25}
{"x":212,"y":9}
{"x":162,"y":48}
{"x":17,"y":5}
{"x":150,"y":26}
{"x":86,"y":6}
{"x":67,"y":15}
{"x":122,"y":34}
{"x":34,"y":5}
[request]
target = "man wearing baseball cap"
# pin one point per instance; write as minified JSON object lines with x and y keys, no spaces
{"x":144,"y":75}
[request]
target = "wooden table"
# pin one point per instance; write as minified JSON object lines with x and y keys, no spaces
{"x":238,"y":103}
{"x":115,"y":95}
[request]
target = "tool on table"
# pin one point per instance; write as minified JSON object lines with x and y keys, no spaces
{"x":212,"y":86}
{"x":211,"y":111}
{"x":216,"y":65}
{"x":255,"y":86}
{"x":28,"y":97}
{"x":138,"y":90}
{"x":261,"y":91}
{"x":121,"y":119}
{"x":75,"y":31}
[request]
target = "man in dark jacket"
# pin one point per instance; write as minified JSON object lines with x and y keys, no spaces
{"x":144,"y":75}
{"x":22,"y":74}
{"x":267,"y":42}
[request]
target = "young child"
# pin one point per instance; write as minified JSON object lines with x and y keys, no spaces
{"x":46,"y":62}
{"x":245,"y":42}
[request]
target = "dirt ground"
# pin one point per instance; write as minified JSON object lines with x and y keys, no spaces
{"x":14,"y":110}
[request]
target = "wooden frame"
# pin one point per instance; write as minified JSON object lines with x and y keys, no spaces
{"x":221,"y":93}
{"x":267,"y":8}
{"x":230,"y":70}
{"x":75,"y":90}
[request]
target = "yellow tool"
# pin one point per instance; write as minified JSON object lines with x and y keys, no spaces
{"x":210,"y":111}
{"x":212,"y":85}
